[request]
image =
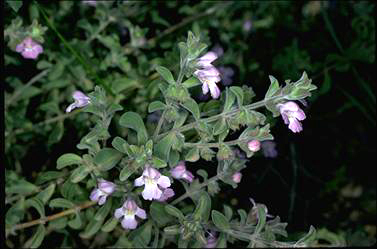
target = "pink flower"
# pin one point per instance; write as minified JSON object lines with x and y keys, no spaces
{"x":105,"y":188}
{"x":180,"y":172}
{"x":81,"y":100}
{"x":269,"y":150}
{"x":291,"y":113}
{"x":29,"y":49}
{"x":208,"y":74}
{"x":237,"y":177}
{"x":253,"y":145}
{"x":153,"y":181}
{"x":166,"y":194}
{"x":128,"y":211}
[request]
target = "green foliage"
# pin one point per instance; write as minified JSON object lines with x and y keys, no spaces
{"x":122,"y":64}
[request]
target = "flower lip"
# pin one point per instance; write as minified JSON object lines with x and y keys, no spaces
{"x":29,"y":49}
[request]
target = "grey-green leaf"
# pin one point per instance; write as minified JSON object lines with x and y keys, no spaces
{"x":61,"y":203}
{"x":36,"y":240}
{"x":46,"y":194}
{"x":133,"y":121}
{"x":68,"y":159}
{"x":261,"y":219}
{"x":203,"y":207}
{"x":192,"y":107}
{"x":166,"y":74}
{"x":155,"y":106}
{"x":274,"y":87}
{"x":174,"y":212}
{"x":220,"y":220}
{"x":15,"y":5}
{"x":79,"y":174}
{"x":38,"y":204}
{"x":107,"y":158}
{"x":191,"y":82}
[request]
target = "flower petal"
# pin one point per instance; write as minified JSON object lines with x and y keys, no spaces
{"x":129,"y":222}
{"x":151,"y":191}
{"x":139,"y":181}
{"x":141,"y":213}
{"x":102,"y":200}
{"x":94,"y":195}
{"x":71,"y":107}
{"x":215,"y":91}
{"x":163,"y":181}
{"x":205,"y":88}
{"x":119,"y":212}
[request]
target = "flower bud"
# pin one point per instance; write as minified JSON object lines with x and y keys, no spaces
{"x":253,"y":145}
{"x":237,"y":177}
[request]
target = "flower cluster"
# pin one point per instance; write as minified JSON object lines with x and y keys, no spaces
{"x":208,"y":74}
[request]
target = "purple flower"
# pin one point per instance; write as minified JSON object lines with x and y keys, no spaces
{"x":237,"y":177}
{"x":166,"y":194}
{"x":268,"y":148}
{"x":81,"y":100}
{"x":29,"y":49}
{"x":105,"y":188}
{"x":208,"y":74}
{"x":152,"y":179}
{"x":291,"y":114}
{"x":180,"y":172}
{"x":253,"y":145}
{"x":128,"y":211}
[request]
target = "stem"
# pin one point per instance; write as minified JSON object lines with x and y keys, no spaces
{"x":54,"y":216}
{"x":159,"y":125}
{"x":45,"y":122}
{"x":99,"y":30}
{"x":229,"y":113}
{"x":215,"y":145}
{"x":187,"y":194}
{"x":31,"y":82}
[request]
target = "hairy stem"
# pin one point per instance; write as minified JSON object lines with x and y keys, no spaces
{"x":200,"y":186}
{"x":159,"y":125}
{"x":54,"y":216}
{"x":230,"y":113}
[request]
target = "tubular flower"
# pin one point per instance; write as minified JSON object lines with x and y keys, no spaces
{"x":291,"y":114}
{"x":253,"y":145}
{"x":153,"y":181}
{"x":180,"y":172}
{"x":128,"y":211}
{"x":29,"y":49}
{"x":208,"y":74}
{"x":237,"y":177}
{"x":211,"y":241}
{"x":166,"y":194}
{"x":105,"y":188}
{"x":81,"y":100}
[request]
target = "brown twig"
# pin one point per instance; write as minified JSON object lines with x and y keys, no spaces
{"x":53,"y":217}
